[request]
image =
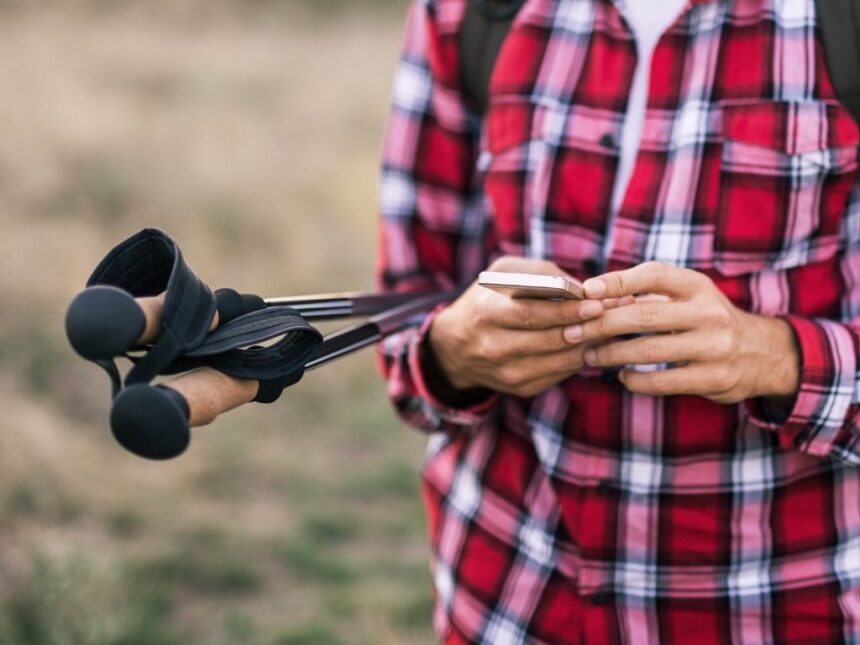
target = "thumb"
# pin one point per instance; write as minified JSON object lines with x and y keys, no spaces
{"x":515,"y":264}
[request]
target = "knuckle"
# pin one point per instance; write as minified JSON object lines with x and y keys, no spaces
{"x":722,"y":345}
{"x":616,"y":282}
{"x":503,"y":262}
{"x":662,"y":383}
{"x":716,"y":376}
{"x":601,"y":355}
{"x":490,"y":349}
{"x":701,"y":278}
{"x":481,"y":312}
{"x":652,"y":350}
{"x":527,"y":315}
{"x":723,"y":378}
{"x":691,"y":274}
{"x":647,"y":315}
{"x":509,"y":376}
{"x":596,"y":328}
{"x":522,"y":311}
{"x":654,"y":268}
{"x":719,"y":316}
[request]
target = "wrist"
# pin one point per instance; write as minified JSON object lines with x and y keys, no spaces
{"x":779,"y":374}
{"x":441,"y":379}
{"x":440,"y":350}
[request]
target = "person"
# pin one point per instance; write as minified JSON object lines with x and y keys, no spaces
{"x":675,"y":458}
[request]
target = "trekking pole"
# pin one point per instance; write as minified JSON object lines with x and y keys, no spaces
{"x":155,"y":422}
{"x":143,"y":301}
{"x":103,"y":322}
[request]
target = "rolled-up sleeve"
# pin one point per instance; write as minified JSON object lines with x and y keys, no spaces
{"x":435,"y":231}
{"x":824,"y":417}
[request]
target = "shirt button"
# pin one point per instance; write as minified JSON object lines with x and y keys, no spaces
{"x":590,"y":266}
{"x":601,"y":598}
{"x":607,"y":141}
{"x":604,"y":487}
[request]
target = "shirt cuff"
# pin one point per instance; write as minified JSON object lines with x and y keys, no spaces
{"x":470,"y":415}
{"x":820,"y":411}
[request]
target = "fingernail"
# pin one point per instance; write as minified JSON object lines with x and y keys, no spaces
{"x":590,"y":310}
{"x":594,"y":287}
{"x":573,"y":333}
{"x":590,"y":356}
{"x":626,"y":300}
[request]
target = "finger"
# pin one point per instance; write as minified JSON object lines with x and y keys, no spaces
{"x":209,"y":394}
{"x":155,"y":422}
{"x":692,"y":379}
{"x":615,"y":303}
{"x":650,"y":277}
{"x":505,"y":344}
{"x":153,"y":309}
{"x":639,"y":318}
{"x":647,"y":350}
{"x":652,"y":297}
{"x":518,"y":373}
{"x":534,"y":314}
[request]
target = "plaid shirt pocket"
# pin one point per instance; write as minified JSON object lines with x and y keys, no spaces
{"x":787,"y":170}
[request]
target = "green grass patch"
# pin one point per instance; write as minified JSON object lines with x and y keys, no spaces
{"x":125,"y":523}
{"x":228,"y":467}
{"x":306,"y":560}
{"x":73,"y":601}
{"x":311,"y":634}
{"x":32,"y":499}
{"x":241,"y":628}
{"x":205,"y":576}
{"x":416,"y":613}
{"x":45,"y":360}
{"x":205,"y":562}
{"x":392,"y":480}
{"x":331,"y":529}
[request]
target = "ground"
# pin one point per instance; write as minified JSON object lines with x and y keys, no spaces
{"x":250,"y":131}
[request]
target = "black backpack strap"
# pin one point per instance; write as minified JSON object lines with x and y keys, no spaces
{"x":840,"y":27}
{"x":484,"y":29}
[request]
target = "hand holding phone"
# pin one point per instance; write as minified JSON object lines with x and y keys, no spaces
{"x":515,"y":345}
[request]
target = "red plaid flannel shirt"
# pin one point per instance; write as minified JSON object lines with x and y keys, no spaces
{"x":590,"y":514}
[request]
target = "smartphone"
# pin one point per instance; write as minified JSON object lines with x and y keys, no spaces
{"x":527,"y":285}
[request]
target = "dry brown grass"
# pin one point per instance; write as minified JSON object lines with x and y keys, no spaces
{"x":250,"y":132}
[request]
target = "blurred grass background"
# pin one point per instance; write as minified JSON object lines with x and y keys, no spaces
{"x":250,"y":131}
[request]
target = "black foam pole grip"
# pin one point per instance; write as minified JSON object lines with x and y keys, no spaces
{"x":151,"y":422}
{"x":232,"y":304}
{"x":103,"y":322}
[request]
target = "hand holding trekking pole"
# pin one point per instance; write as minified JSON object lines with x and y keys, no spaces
{"x":155,"y":422}
{"x":230,"y":348}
